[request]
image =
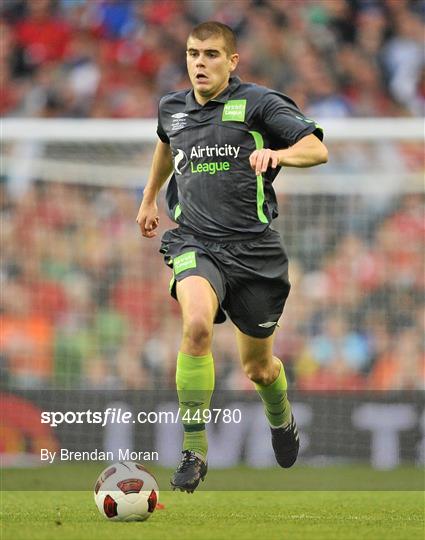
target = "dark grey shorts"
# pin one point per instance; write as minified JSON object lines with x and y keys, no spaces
{"x":249,"y":277}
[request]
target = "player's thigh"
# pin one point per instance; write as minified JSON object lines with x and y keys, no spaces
{"x":258,"y":287}
{"x":255,"y":306}
{"x":189,"y":258}
{"x":198,"y":300}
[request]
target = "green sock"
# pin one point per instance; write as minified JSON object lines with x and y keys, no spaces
{"x":195,"y":385}
{"x":276,"y":404}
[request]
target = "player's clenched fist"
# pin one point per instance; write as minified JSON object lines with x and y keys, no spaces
{"x":261,"y":160}
{"x":148,"y":219}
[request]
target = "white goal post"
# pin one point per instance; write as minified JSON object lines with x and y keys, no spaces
{"x":336,"y":129}
{"x":121,"y":151}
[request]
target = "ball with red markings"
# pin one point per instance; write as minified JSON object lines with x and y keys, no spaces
{"x":126,"y":491}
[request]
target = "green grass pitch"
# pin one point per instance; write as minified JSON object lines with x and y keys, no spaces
{"x":217,"y":515}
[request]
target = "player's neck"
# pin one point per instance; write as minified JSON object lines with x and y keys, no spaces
{"x":202,"y":100}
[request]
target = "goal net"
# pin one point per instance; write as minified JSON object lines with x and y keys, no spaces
{"x":86,"y":311}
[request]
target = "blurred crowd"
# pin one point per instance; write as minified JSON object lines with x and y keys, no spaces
{"x":85,"y":301}
{"x":115,"y":58}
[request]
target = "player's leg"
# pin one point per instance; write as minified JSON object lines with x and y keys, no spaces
{"x":194,"y":376}
{"x":198,"y":302}
{"x":268,"y":375}
{"x":199,"y":287}
{"x":257,"y":291}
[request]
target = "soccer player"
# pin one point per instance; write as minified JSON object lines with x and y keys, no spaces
{"x":226,"y":140}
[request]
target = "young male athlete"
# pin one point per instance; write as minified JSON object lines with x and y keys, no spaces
{"x":226,"y":140}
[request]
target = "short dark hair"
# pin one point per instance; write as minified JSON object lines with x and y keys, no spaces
{"x":214,"y":28}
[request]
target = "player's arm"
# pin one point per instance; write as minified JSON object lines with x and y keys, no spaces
{"x":307,"y":152}
{"x":162,"y":166}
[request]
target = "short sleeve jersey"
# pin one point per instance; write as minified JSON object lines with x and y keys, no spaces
{"x":214,"y":192}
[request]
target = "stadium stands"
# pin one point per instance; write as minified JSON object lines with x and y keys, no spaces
{"x":104,"y":58}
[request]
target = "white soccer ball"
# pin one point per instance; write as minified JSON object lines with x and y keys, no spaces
{"x":126,"y":491}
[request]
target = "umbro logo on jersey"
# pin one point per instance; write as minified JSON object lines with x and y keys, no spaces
{"x":178,"y":121}
{"x":268,"y":324}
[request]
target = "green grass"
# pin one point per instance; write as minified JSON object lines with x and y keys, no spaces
{"x":318,"y":503}
{"x":81,"y":477}
{"x":213,"y":515}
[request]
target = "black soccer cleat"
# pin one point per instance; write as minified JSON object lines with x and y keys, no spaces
{"x":190,"y":471}
{"x":286,"y":444}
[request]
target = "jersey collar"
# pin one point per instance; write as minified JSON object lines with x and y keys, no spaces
{"x":193,"y":105}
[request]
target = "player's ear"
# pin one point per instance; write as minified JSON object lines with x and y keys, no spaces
{"x":234,"y":60}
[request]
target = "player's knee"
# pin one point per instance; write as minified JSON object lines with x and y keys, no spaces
{"x":197,"y":332}
{"x":259,"y":372}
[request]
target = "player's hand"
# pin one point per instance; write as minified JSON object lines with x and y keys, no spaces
{"x":148,"y":219}
{"x":261,"y":160}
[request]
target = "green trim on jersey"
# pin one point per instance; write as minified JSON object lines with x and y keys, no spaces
{"x":309,"y":121}
{"x":259,"y":144}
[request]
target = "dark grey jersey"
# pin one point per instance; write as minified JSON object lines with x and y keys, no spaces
{"x":214,"y":193}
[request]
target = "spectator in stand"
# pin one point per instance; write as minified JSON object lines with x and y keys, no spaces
{"x":26,"y":337}
{"x":12,"y":90}
{"x":43,"y":36}
{"x":403,"y":367}
{"x":404,"y":59}
{"x":337,"y":356}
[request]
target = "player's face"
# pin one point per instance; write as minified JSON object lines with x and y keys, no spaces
{"x":209,"y":66}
